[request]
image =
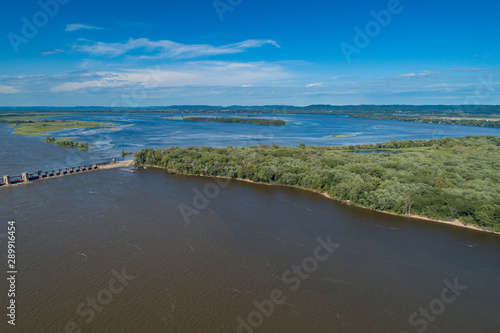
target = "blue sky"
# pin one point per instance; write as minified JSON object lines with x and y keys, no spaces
{"x":227,"y":52}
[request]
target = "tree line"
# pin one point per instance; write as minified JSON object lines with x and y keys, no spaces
{"x":433,"y":120}
{"x":234,"y":120}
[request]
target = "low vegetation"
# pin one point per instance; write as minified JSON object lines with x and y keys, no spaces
{"x":34,"y":125}
{"x":340,"y":136}
{"x":43,"y":127}
{"x":442,"y":179}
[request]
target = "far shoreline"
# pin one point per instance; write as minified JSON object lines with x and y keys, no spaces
{"x":456,"y":223}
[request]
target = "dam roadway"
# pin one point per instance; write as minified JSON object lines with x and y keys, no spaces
{"x":27,"y":177}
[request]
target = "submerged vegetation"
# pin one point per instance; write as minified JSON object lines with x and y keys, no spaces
{"x":233,"y":120}
{"x":340,"y":136}
{"x":67,"y":142}
{"x":442,"y":179}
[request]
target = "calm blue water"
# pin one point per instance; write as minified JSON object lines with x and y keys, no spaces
{"x":153,"y":131}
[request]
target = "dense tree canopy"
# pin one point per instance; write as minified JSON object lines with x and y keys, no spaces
{"x":63,"y":142}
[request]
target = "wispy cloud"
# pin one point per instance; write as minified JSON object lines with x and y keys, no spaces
{"x":168,"y":49}
{"x":78,"y":26}
{"x":408,"y":75}
{"x":452,"y":83}
{"x":446,"y":72}
{"x":46,"y":53}
{"x":318,"y":84}
{"x":201,"y":73}
{"x":8,"y":89}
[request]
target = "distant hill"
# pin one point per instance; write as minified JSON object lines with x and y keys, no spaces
{"x":395,"y":110}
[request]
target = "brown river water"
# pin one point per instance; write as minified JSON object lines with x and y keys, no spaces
{"x":114,"y":251}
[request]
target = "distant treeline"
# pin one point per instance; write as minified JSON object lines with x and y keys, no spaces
{"x":420,"y":110}
{"x":234,"y":120}
{"x":434,"y":120}
{"x":6,"y":120}
{"x":441,"y":178}
{"x":67,"y":143}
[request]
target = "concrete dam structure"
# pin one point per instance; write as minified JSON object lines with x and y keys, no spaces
{"x":27,"y":177}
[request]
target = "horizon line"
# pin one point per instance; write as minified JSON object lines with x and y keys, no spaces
{"x":236,"y":105}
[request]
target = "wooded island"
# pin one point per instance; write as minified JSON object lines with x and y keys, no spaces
{"x":445,"y":179}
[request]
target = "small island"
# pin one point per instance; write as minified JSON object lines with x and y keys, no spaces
{"x":239,"y":120}
{"x":67,"y":142}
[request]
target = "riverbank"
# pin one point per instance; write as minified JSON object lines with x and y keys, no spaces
{"x":455,"y":222}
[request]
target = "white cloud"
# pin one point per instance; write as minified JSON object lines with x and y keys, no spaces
{"x":168,"y":49}
{"x":77,"y":26}
{"x":226,"y":83}
{"x":318,"y":84}
{"x":202,"y":73}
{"x":8,"y":89}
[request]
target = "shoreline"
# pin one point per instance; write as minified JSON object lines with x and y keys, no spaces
{"x":455,"y":222}
{"x":120,"y":164}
